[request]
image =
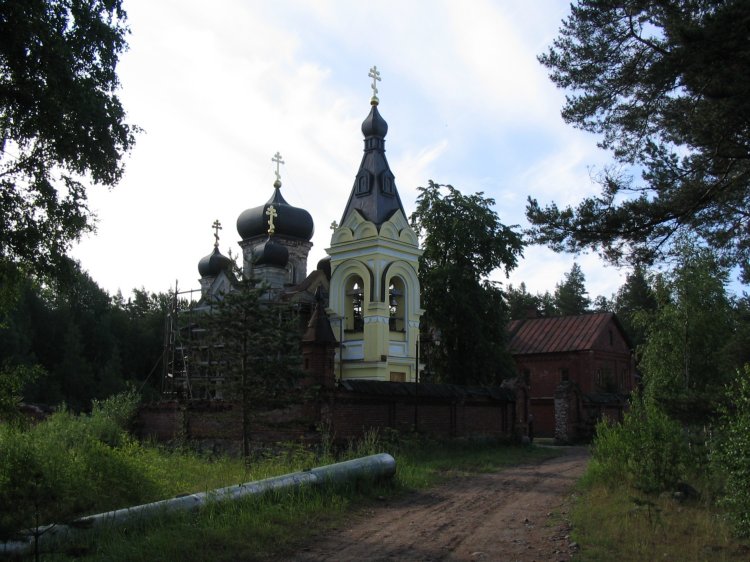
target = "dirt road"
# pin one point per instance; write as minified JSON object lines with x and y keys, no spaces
{"x":513,"y":515}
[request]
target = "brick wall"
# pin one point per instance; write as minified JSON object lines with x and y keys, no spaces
{"x":348,"y":415}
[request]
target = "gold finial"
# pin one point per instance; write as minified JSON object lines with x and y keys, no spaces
{"x":217,"y":227}
{"x":277,"y":158}
{"x":271,"y":212}
{"x":375,"y":75}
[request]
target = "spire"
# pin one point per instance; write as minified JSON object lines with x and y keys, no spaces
{"x":374,"y":194}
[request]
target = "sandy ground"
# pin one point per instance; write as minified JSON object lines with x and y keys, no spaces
{"x":515,"y":515}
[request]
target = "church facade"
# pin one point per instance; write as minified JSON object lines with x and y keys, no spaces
{"x":368,"y":282}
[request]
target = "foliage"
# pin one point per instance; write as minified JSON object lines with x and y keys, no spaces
{"x":464,"y":241}
{"x":12,"y":380}
{"x":256,"y":342}
{"x":67,"y":465}
{"x":60,"y":122}
{"x":635,"y":298}
{"x":571,"y":297}
{"x":682,"y":359}
{"x":89,"y":344}
{"x":521,"y":303}
{"x":647,"y":450}
{"x":666,"y":85}
{"x":733,"y":451}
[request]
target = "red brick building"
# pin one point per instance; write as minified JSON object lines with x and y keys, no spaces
{"x":592,"y":351}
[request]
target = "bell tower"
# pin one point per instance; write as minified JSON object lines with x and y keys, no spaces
{"x":374,"y":293}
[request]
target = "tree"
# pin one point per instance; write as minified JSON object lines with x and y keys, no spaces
{"x":571,"y":297}
{"x":61,"y":124}
{"x":633,"y":298}
{"x":256,"y":343}
{"x":733,"y":449}
{"x":464,"y":241}
{"x":683,"y":359}
{"x":521,"y":303}
{"x":667,"y":85}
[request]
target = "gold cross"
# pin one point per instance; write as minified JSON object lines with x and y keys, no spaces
{"x":375,"y":75}
{"x":271,"y":212}
{"x":277,"y":158}
{"x":217,"y":227}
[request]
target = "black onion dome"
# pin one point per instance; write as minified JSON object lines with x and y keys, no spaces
{"x":270,"y":253}
{"x":213,"y":263}
{"x":289,"y":221}
{"x":374,"y":125}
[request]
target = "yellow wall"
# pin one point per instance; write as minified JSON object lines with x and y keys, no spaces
{"x":375,"y":259}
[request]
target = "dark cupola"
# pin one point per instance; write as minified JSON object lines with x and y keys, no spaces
{"x":374,"y":193}
{"x":276,"y":233}
{"x":287,"y":220}
{"x":215,"y":262}
{"x":270,"y":253}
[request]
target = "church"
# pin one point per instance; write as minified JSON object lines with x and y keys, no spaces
{"x":368,"y":282}
{"x":360,"y":312}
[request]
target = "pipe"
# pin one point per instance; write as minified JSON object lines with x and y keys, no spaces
{"x":374,"y":467}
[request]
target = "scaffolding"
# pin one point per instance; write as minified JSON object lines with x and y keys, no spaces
{"x":191,"y":366}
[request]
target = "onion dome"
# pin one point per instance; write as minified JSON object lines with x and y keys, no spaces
{"x":287,"y":220}
{"x":270,"y":253}
{"x":212,"y":264}
{"x":374,"y":125}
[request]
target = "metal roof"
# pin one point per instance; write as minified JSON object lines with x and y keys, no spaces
{"x":558,"y":334}
{"x":374,"y":194}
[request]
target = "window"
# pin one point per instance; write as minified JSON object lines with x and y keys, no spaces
{"x":397,"y":321}
{"x":354,"y":305}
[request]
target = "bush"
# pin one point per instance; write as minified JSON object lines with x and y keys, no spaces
{"x":69,"y":465}
{"x":648,"y":449}
{"x":732,"y":452}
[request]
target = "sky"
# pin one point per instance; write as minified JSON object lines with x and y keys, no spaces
{"x":219,"y":87}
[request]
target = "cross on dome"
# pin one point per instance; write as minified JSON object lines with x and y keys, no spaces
{"x":217,"y":227}
{"x":375,"y":75}
{"x":271,"y":212}
{"x":277,"y":158}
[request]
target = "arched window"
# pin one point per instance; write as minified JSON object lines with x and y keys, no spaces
{"x":354,"y":304}
{"x":396,"y":306}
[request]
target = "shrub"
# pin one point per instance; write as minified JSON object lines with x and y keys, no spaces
{"x":68,"y":465}
{"x":732,"y":452}
{"x":648,"y":449}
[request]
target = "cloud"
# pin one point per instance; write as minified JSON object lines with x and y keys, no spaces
{"x":220,"y":88}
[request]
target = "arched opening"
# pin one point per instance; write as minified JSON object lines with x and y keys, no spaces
{"x":397,"y":305}
{"x":354,"y":311}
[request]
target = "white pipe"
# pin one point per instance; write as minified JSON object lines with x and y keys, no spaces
{"x":374,"y":467}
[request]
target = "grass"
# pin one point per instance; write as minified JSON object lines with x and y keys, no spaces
{"x":615,"y":522}
{"x":271,"y":526}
